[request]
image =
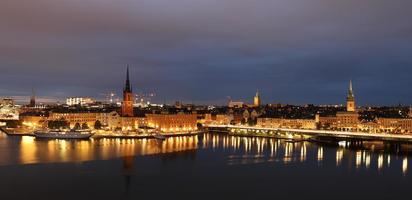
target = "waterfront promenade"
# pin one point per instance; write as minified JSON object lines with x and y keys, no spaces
{"x":111,"y":134}
{"x":312,"y":133}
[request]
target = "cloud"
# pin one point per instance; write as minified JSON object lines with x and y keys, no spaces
{"x":301,"y":51}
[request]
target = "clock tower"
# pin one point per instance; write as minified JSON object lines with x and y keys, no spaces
{"x":350,"y":100}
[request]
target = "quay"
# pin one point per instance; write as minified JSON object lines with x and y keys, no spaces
{"x":307,"y":133}
{"x":114,"y":135}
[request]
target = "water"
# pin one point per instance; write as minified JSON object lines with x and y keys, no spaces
{"x":209,"y":167}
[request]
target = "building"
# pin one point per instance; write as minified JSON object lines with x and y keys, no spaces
{"x":235,"y":104}
{"x":348,"y":120}
{"x":350,"y":100}
{"x":256,"y":99}
{"x":81,"y":101}
{"x":286,"y":123}
{"x":127,"y":103}
{"x":172,"y":123}
{"x":8,"y":110}
{"x":219,"y":119}
{"x":72,"y":118}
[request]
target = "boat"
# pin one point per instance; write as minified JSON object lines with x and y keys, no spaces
{"x":159,"y":136}
{"x":58,"y":134}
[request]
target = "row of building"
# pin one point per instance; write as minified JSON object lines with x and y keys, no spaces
{"x":348,"y":120}
{"x":125,"y":119}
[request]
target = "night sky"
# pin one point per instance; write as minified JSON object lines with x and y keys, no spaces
{"x":201,"y":51}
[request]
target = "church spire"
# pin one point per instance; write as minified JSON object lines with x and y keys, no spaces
{"x":32,"y":98}
{"x":127,"y":87}
{"x":350,"y":100}
{"x":350,"y":92}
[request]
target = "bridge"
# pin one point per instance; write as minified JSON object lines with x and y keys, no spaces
{"x":314,"y":133}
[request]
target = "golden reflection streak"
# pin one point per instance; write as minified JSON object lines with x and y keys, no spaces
{"x":320,"y":153}
{"x":358,"y":160}
{"x":28,"y":150}
{"x":339,"y":157}
{"x":303,"y":152}
{"x":288,"y":153}
{"x":380,"y":161}
{"x":405,"y":165}
{"x":367,"y":160}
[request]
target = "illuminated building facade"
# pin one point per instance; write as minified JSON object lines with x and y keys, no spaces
{"x":172,"y":123}
{"x":219,"y":119}
{"x":8,"y":110}
{"x":82,"y":101}
{"x":76,"y":117}
{"x":286,"y":123}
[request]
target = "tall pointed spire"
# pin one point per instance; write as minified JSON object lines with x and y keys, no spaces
{"x":350,"y":100}
{"x":127,"y":87}
{"x":32,"y":98}
{"x":127,"y":104}
{"x":350,"y":92}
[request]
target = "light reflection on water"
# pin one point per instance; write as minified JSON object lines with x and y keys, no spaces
{"x":28,"y":150}
{"x":366,"y":155}
{"x":238,"y":150}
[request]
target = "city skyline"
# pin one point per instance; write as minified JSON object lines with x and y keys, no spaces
{"x":293,"y":52}
{"x":23,"y":100}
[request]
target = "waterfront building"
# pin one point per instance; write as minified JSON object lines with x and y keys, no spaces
{"x":75,"y":117}
{"x":218,"y":119}
{"x":34,"y":121}
{"x":349,"y":119}
{"x":172,"y":123}
{"x":286,"y":123}
{"x":127,"y":103}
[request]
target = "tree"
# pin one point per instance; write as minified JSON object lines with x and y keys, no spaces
{"x":57,"y":124}
{"x":77,"y":126}
{"x":199,"y":126}
{"x":98,"y":125}
{"x":251,"y":122}
{"x":85,"y":126}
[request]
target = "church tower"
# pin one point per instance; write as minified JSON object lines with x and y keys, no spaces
{"x":256,"y":99}
{"x":350,"y":100}
{"x":127,"y":104}
{"x":32,"y":103}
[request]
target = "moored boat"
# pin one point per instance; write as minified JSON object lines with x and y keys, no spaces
{"x":159,"y":136}
{"x":72,"y":134}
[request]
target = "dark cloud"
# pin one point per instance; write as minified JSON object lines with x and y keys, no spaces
{"x":298,"y":51}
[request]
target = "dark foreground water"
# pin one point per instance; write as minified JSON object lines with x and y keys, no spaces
{"x":208,"y":167}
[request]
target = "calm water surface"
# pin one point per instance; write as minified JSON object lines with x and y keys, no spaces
{"x":211,"y":166}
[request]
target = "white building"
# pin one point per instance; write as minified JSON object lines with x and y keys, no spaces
{"x":8,"y":111}
{"x":72,"y":101}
